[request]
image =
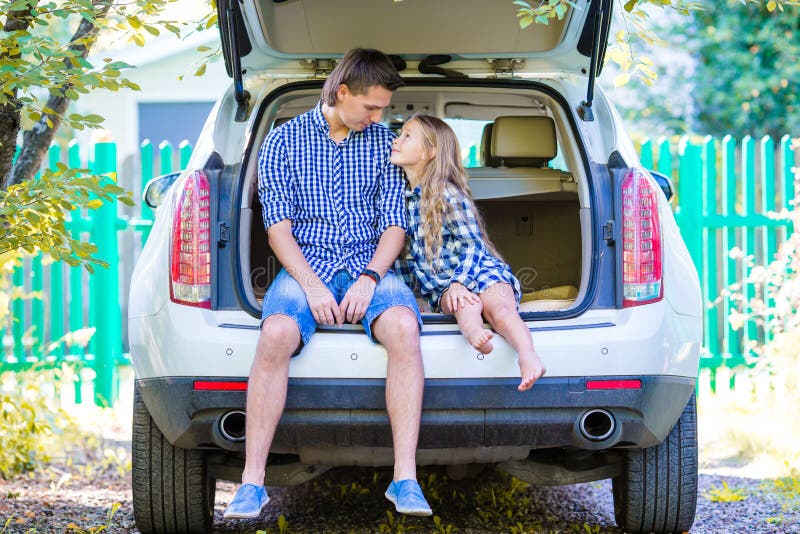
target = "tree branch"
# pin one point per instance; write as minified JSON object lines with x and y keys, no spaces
{"x":10,"y":113}
{"x":36,"y":141}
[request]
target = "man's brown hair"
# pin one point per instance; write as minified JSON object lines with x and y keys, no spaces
{"x":360,"y":69}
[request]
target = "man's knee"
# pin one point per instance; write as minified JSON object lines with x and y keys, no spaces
{"x":279,"y":338}
{"x":397,"y":323}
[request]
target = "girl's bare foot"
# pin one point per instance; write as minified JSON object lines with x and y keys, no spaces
{"x":480,"y":338}
{"x":531,"y":368}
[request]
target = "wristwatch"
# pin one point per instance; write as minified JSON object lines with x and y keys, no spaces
{"x":372,"y":274}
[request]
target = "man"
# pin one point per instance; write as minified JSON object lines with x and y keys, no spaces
{"x":335,"y":217}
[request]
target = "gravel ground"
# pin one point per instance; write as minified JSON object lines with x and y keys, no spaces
{"x":78,"y":499}
{"x":78,"y":493}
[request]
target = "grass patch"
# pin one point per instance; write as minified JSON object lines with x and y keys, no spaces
{"x":726,"y":494}
{"x":787,"y":490}
{"x":35,"y":429}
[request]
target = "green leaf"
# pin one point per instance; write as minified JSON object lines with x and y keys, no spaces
{"x":201,"y":70}
{"x":622,"y":79}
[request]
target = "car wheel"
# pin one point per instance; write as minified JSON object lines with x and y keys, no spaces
{"x":172,"y":491}
{"x":657,"y":490}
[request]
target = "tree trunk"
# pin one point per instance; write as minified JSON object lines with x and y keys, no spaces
{"x":9,"y":113}
{"x":36,"y":141}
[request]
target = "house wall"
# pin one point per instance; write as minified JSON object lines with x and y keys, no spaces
{"x":159,"y":84}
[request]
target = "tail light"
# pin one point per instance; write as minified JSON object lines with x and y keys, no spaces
{"x":642,"y":258}
{"x":190,"y":280}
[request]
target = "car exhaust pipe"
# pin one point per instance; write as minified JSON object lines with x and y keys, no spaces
{"x":597,"y":424}
{"x":232,"y":426}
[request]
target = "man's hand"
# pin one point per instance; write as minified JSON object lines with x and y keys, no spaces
{"x":356,"y":301}
{"x":457,"y":296}
{"x":323,"y":305}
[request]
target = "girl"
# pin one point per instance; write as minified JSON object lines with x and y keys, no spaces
{"x":457,"y":267}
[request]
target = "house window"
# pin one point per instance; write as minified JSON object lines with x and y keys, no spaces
{"x":172,"y":121}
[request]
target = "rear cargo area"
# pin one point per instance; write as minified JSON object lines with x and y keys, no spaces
{"x":535,"y":205}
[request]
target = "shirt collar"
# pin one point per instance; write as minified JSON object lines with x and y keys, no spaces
{"x":322,"y":125}
{"x":319,"y":119}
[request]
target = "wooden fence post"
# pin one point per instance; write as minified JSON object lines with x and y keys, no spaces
{"x":731,"y":337}
{"x":56,"y":292}
{"x":76,"y":321}
{"x":146,"y":213}
{"x":690,"y":194}
{"x":184,"y":153}
{"x":769,"y":233}
{"x":646,"y":153}
{"x":710,"y":262}
{"x":105,"y":284}
{"x":165,"y":157}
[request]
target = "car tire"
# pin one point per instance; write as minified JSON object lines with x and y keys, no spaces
{"x":172,"y":491}
{"x":657,"y":490}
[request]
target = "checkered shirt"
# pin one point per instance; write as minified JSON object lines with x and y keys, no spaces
{"x":464,"y":257}
{"x":339,"y":197}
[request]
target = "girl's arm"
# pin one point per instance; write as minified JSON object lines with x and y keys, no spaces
{"x":403,"y":270}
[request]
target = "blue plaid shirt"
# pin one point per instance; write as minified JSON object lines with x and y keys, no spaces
{"x":339,"y":197}
{"x":463,"y":258}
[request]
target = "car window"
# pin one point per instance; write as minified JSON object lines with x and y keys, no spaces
{"x":469,"y":133}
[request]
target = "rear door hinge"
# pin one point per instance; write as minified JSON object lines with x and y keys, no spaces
{"x":608,"y":233}
{"x":224,"y":235}
{"x":504,"y":67}
{"x":322,"y":67}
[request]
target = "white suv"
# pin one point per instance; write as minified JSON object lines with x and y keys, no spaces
{"x":611,"y":295}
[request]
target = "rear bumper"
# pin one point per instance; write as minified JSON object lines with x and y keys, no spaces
{"x":457,"y":413}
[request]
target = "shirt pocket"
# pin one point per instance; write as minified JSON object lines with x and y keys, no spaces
{"x":313,"y":182}
{"x":361,"y":189}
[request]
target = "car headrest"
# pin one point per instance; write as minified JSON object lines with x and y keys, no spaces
{"x":486,"y":148}
{"x":524,"y":141}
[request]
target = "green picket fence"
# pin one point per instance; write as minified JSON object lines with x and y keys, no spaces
{"x":67,"y":299}
{"x":724,"y":193}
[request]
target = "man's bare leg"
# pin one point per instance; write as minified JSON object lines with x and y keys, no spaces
{"x":398,"y":330}
{"x":266,"y":392}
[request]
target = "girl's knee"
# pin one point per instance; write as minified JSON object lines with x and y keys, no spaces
{"x":497,"y":311}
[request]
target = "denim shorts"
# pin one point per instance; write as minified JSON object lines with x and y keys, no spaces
{"x":286,"y":297}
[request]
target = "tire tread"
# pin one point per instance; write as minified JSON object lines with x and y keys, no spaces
{"x":657,"y":490}
{"x":172,"y":491}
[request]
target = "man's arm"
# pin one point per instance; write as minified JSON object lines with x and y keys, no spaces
{"x":320,"y":299}
{"x":357,"y":299}
{"x":278,"y":200}
{"x":389,"y":247}
{"x":391,"y":225}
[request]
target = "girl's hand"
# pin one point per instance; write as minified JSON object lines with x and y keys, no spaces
{"x":457,"y":296}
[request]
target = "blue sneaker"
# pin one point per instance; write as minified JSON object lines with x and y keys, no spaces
{"x":407,"y":498}
{"x":247,"y":503}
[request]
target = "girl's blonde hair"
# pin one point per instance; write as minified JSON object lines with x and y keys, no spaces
{"x":442,"y":172}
